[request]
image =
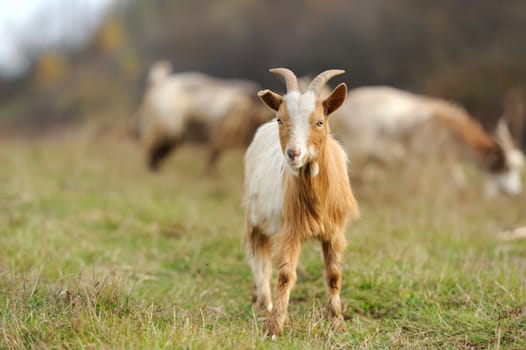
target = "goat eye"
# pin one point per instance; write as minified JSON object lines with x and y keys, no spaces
{"x":279,"y":121}
{"x":319,"y":123}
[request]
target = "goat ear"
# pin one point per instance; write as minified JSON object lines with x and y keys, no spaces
{"x":335,"y":99}
{"x":271,"y":99}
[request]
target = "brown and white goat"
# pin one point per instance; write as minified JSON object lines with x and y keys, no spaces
{"x":393,"y":126}
{"x":296,"y":188}
{"x":192,"y":107}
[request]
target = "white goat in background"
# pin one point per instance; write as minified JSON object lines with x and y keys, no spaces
{"x":193,"y":107}
{"x":388,"y":124}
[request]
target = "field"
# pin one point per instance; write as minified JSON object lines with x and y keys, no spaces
{"x":98,"y":253}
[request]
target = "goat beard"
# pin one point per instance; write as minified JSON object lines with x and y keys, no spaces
{"x":311,"y":168}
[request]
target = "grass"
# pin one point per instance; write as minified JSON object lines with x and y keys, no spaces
{"x":96,"y":252}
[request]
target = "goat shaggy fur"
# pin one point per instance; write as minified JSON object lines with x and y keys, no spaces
{"x":297,"y":188}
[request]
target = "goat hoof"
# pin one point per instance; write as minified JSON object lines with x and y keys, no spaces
{"x":263,"y":307}
{"x":338,"y":324}
{"x":273,"y":330}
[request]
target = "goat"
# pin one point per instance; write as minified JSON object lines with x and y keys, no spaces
{"x":296,"y":188}
{"x":194,"y":107}
{"x":389,"y":124}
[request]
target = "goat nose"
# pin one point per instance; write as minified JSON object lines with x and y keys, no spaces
{"x":293,"y":152}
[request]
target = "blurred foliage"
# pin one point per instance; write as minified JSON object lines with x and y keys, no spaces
{"x":111,"y":36}
{"x":51,"y":69}
{"x":468,"y":51}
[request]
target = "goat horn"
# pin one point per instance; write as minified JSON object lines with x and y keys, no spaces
{"x":322,"y":79}
{"x":290,"y":79}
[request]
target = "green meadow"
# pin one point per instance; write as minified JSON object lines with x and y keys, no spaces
{"x":96,"y":252}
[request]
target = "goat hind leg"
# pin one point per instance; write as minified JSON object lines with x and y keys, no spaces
{"x":332,"y":256}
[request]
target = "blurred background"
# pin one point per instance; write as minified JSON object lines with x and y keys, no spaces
{"x":66,"y":62}
{"x":97,"y":251}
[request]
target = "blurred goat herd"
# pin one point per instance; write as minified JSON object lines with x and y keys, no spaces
{"x":375,"y":125}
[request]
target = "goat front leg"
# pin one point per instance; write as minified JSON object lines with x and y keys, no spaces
{"x":332,"y":256}
{"x":258,"y":254}
{"x":288,"y":251}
